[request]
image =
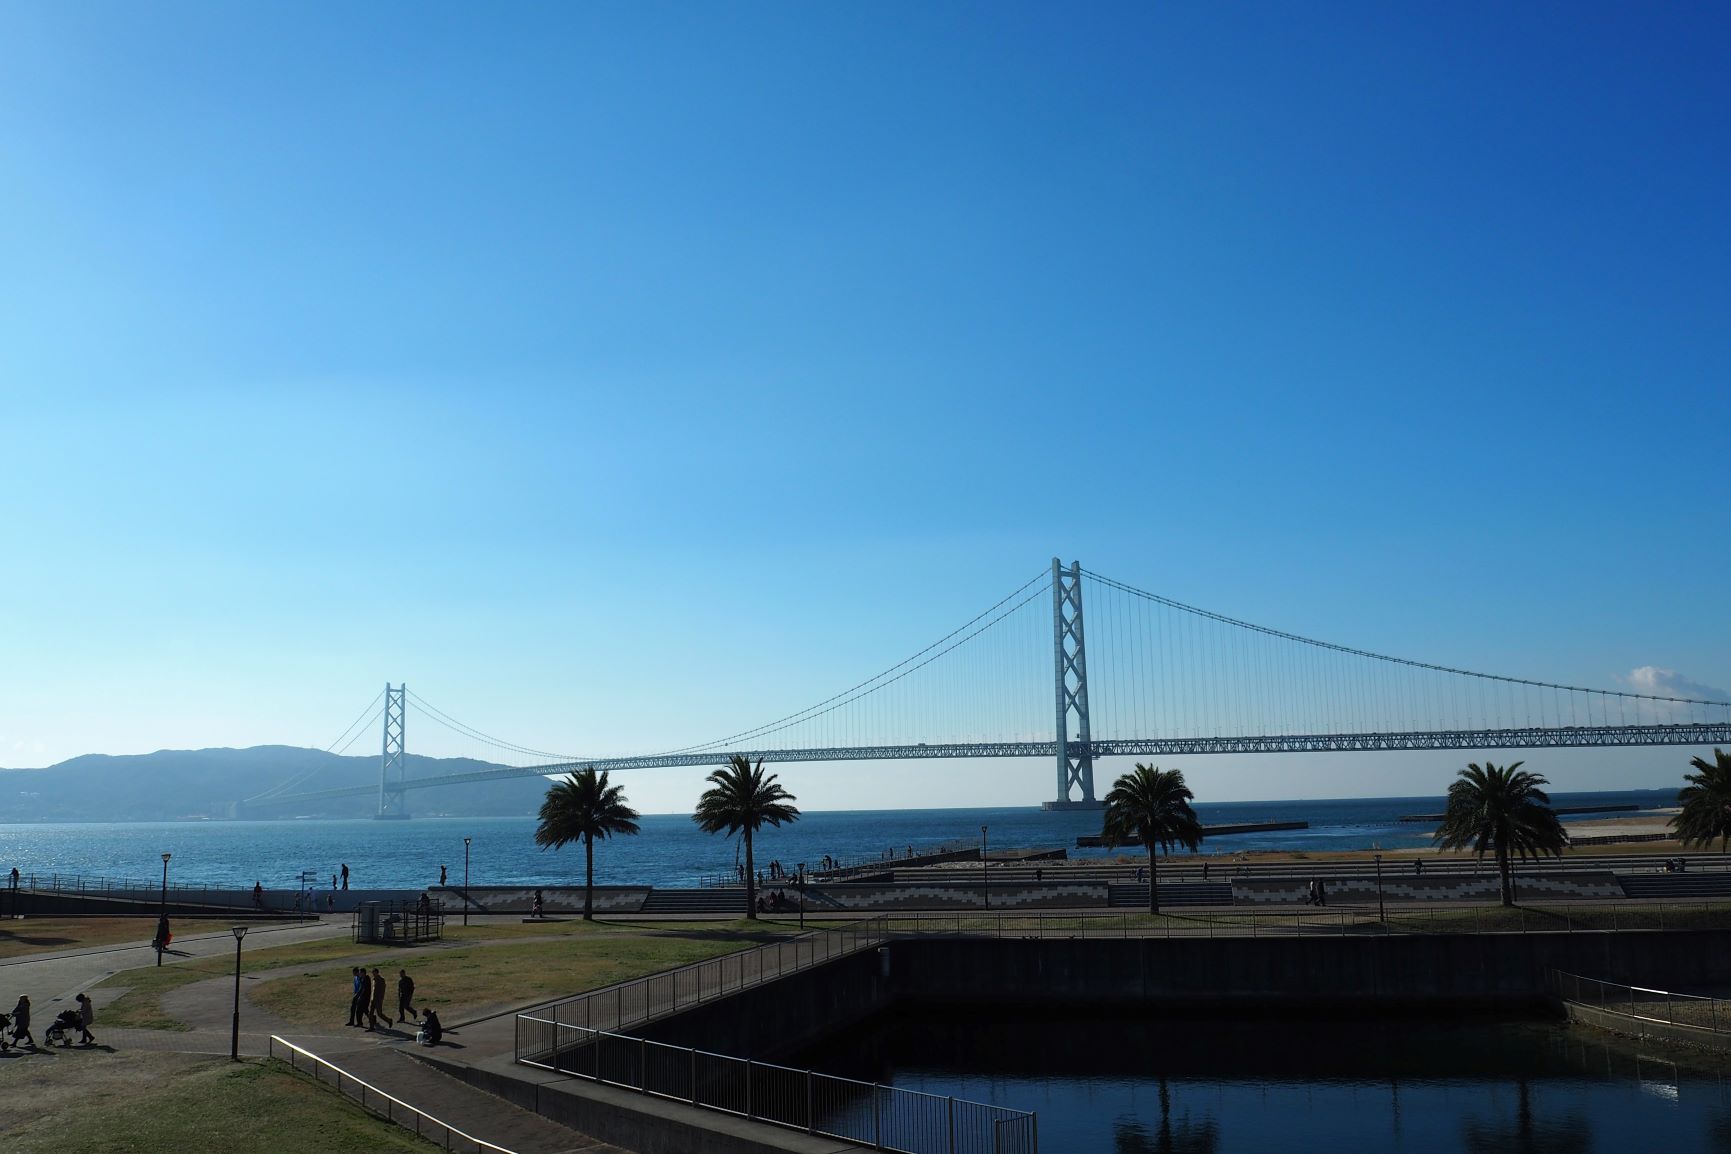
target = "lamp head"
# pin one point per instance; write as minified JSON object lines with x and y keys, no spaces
{"x":465,"y":841}
{"x":165,"y":858}
{"x":239,"y":933}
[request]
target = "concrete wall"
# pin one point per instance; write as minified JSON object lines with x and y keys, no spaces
{"x":554,"y":899}
{"x":957,"y":896}
{"x":763,"y":1022}
{"x":1633,"y":1027}
{"x":1194,"y":973}
{"x":638,"y":1122}
{"x":1407,"y":887}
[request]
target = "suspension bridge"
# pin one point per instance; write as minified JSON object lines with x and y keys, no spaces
{"x":1138,"y":674}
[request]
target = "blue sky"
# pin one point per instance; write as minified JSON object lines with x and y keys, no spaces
{"x":623,"y":375}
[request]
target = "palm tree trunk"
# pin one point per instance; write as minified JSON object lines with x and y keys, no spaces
{"x":1153,"y":881}
{"x":1503,"y":871}
{"x":588,"y":877}
{"x":750,"y":880}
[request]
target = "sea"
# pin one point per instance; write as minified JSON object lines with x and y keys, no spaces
{"x":670,"y":850}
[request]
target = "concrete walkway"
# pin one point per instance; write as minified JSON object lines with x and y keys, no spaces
{"x":54,"y":979}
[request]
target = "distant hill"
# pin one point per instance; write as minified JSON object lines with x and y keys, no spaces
{"x":212,"y":783}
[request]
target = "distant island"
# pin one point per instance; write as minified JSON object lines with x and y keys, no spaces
{"x":213,"y":784}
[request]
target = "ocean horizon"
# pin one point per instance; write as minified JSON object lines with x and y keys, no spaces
{"x":670,"y":850}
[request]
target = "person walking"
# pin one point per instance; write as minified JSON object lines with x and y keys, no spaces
{"x":21,"y":1022}
{"x":345,"y":875}
{"x":372,"y":1021}
{"x":356,"y":985}
{"x":86,"y":1016}
{"x":378,"y":1007}
{"x":258,"y":895}
{"x":405,"y":997}
{"x":441,"y":875}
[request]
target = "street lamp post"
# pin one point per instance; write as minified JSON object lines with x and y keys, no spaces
{"x":465,"y":881}
{"x":234,"y":1038}
{"x":985,"y":878}
{"x":1381,"y":915}
{"x":162,"y":922}
{"x":801,"y":877}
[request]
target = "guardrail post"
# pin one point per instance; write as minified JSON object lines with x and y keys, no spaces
{"x":877,"y":1119}
{"x":952,"y":1146}
{"x":810,"y":1105}
{"x":694,"y":1075}
{"x":748,"y":1112}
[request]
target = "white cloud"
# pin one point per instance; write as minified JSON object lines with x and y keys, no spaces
{"x":1650,"y":679}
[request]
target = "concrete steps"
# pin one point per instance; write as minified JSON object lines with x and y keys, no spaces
{"x":1176,"y":894}
{"x":1683,"y":885}
{"x":705,"y":901}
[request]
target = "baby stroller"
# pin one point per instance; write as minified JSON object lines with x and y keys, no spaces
{"x":5,"y":1025}
{"x":60,"y":1029}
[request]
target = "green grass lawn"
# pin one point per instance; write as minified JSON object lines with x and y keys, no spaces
{"x":141,"y":1005}
{"x":462,"y":981}
{"x":20,"y":936}
{"x":175,"y":1103}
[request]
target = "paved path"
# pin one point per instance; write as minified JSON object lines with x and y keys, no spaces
{"x":54,"y":979}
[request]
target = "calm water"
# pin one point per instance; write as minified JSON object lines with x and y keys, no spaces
{"x":1127,"y":1085}
{"x":670,"y":851}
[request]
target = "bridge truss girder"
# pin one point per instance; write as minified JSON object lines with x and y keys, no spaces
{"x":1566,"y":737}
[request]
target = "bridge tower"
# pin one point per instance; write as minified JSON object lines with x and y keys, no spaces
{"x":391,"y":764}
{"x":1070,"y":676}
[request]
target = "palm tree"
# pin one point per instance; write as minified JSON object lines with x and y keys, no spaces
{"x":741,"y":799}
{"x":584,"y":806}
{"x":1504,"y":811}
{"x":1706,"y":802}
{"x":1152,"y":805}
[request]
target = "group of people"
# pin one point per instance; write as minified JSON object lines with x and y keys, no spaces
{"x":775,"y":903}
{"x":18,"y":1023}
{"x":774,"y":873}
{"x":367,"y":1003}
{"x":1317,"y":894}
{"x":1676,"y":865}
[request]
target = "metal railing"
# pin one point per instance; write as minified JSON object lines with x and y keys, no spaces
{"x":839,"y":868}
{"x":640,"y":1000}
{"x":1694,"y":1011}
{"x":867,"y":1113}
{"x":1588,"y":915}
{"x":377,"y":1101}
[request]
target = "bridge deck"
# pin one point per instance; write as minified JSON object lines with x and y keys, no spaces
{"x":1570,"y":736}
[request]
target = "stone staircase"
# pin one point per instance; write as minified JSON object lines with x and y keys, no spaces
{"x":1177,"y":894}
{"x":719,"y":900}
{"x":1675,"y":886}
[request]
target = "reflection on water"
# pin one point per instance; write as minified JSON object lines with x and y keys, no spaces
{"x":1183,"y":1137}
{"x":1527,"y":1134}
{"x":1126,"y":1083}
